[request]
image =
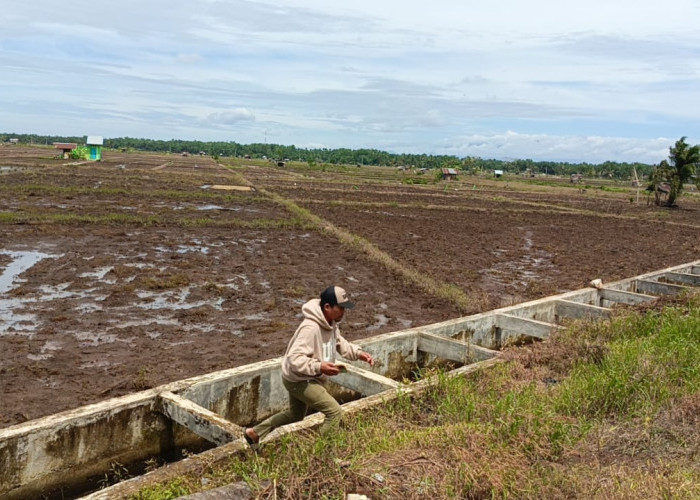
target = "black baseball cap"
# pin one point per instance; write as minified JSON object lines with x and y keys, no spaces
{"x":334,"y":295}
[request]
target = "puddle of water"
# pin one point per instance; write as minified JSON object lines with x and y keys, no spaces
{"x":210,"y":207}
{"x":184,"y":342}
{"x":39,"y":357}
{"x":9,"y":320}
{"x":60,"y":291}
{"x":184,"y":249}
{"x":199,"y":328}
{"x":56,"y":291}
{"x":51,"y":345}
{"x":98,"y":273}
{"x":255,"y":317}
{"x":381,"y":321}
{"x":91,"y":339}
{"x":148,"y":322}
{"x":21,"y":261}
{"x":94,"y":364}
{"x":140,"y":265}
{"x":175,"y":301}
{"x":44,"y":353}
{"x":130,"y":257}
{"x":87,"y":307}
{"x":234,"y":286}
{"x":257,"y":241}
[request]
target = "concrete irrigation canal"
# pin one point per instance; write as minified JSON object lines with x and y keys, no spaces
{"x":64,"y":455}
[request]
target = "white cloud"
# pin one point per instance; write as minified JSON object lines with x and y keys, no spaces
{"x":231,"y":116}
{"x":578,"y":82}
{"x":594,"y":149}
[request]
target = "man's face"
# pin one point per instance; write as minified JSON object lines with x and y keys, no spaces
{"x":333,"y":313}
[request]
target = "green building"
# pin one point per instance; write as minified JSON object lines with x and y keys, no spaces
{"x":94,"y":144}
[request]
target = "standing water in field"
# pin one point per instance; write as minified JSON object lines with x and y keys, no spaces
{"x":21,"y":261}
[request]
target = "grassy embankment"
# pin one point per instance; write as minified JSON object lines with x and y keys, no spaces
{"x":601,"y":410}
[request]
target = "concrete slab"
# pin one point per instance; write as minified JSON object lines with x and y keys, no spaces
{"x":651,"y":287}
{"x":365,"y":382}
{"x":201,"y":421}
{"x":610,"y":296}
{"x":514,"y":326}
{"x":682,"y":278}
{"x":573,"y":310}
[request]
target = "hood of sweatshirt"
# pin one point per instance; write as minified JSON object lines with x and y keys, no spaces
{"x":312,"y":310}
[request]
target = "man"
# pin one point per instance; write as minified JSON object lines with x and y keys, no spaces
{"x":309,"y":360}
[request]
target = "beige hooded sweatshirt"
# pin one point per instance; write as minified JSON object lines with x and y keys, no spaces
{"x":304,"y":355}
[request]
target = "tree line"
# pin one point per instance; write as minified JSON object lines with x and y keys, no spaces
{"x":345,"y":156}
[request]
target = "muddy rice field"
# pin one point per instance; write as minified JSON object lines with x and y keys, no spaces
{"x":141,"y":269}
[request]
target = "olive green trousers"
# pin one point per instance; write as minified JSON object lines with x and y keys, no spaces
{"x":302,"y":396}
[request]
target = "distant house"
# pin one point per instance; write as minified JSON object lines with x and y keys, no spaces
{"x":449,"y":174}
{"x":66,"y":148}
{"x":14,"y":140}
{"x":498,"y":173}
{"x":94,"y":144}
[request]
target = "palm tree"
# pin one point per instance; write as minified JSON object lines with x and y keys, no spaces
{"x":683,"y":162}
{"x":684,"y":158}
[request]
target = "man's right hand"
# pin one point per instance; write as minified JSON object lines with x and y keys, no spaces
{"x":329,"y":369}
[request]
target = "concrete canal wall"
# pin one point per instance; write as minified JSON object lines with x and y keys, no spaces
{"x":62,"y":452}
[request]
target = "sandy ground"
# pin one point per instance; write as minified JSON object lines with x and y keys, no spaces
{"x":133,"y":272}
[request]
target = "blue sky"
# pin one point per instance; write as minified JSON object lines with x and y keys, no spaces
{"x":546,"y":80}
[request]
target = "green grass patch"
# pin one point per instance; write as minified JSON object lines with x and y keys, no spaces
{"x":651,"y":360}
{"x":11,"y":218}
{"x":151,"y":220}
{"x":158,"y":194}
